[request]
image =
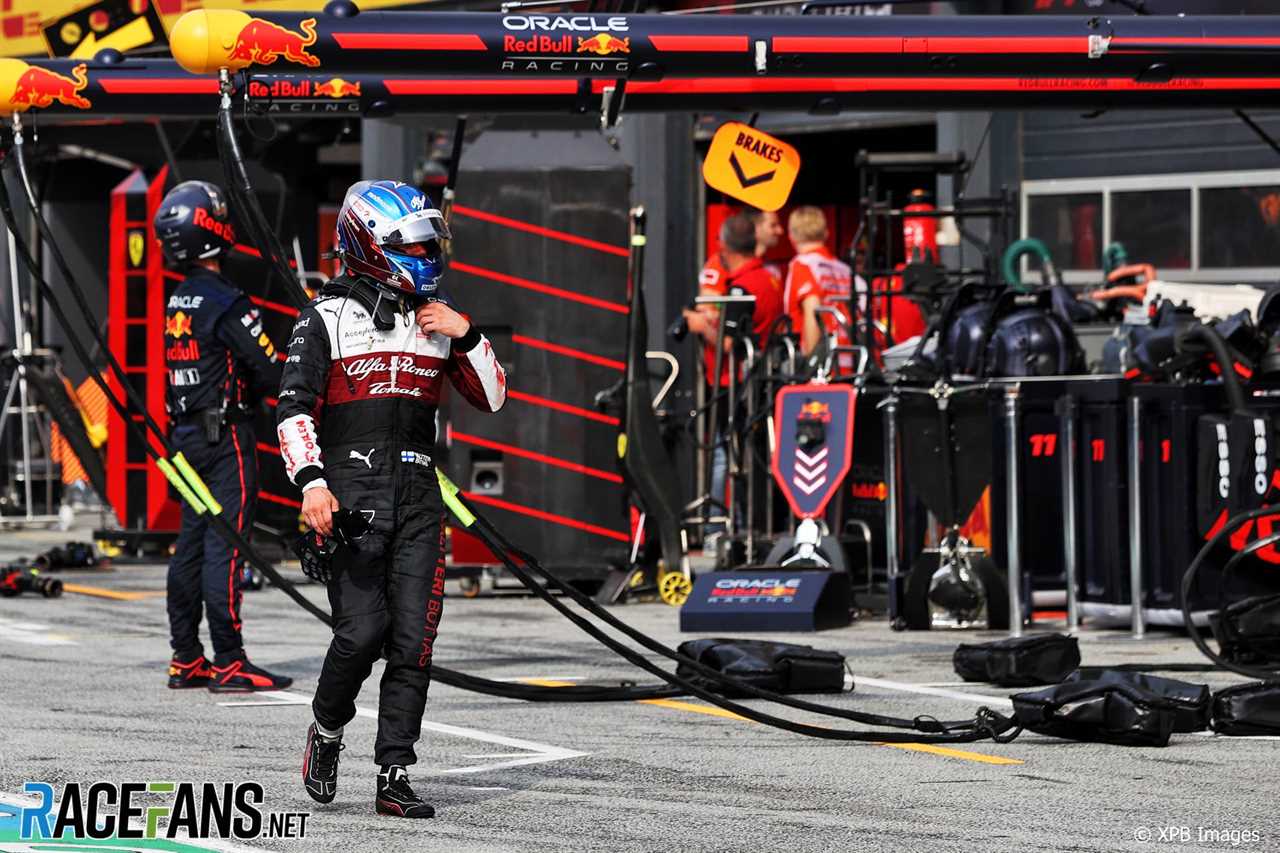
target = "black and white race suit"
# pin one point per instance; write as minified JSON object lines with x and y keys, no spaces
{"x":357,"y":414}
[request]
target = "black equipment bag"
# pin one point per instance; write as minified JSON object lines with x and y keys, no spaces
{"x":1191,"y":701}
{"x":780,"y":667}
{"x":1248,"y":631}
{"x":1019,"y":661}
{"x":1247,"y":709}
{"x":1127,"y":709}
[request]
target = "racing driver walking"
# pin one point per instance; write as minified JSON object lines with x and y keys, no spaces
{"x":357,"y":427}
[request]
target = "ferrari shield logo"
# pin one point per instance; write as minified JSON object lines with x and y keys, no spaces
{"x":137,"y":247}
{"x":814,"y":425}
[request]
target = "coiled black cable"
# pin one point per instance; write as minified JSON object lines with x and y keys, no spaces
{"x":986,"y":724}
{"x":1189,"y":578}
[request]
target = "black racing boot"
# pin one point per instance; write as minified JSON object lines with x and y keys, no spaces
{"x":320,"y":765}
{"x":395,"y":797}
{"x":237,"y":675}
{"x":191,"y":673}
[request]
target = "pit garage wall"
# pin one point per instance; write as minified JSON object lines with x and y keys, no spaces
{"x":658,"y":149}
{"x":541,"y":266}
{"x":1154,"y":150}
{"x":1057,"y":145}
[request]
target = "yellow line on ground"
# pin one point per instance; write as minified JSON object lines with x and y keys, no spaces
{"x":955,"y":753}
{"x":713,"y":711}
{"x":111,"y":593}
{"x":675,"y":704}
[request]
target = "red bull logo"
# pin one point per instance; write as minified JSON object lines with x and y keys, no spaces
{"x":261,"y":42}
{"x":34,"y":87}
{"x":224,"y":230}
{"x":178,"y":325}
{"x":338,"y":88}
{"x":815,"y":411}
{"x":870,"y":491}
{"x":603,"y":44}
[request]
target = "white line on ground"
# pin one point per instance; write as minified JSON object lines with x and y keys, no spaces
{"x":934,"y":691}
{"x":32,"y":634}
{"x":17,"y":800}
{"x":534,"y":752}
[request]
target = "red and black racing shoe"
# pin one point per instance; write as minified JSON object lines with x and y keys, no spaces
{"x":240,"y":676}
{"x":396,"y":798}
{"x":192,"y":673}
{"x":320,"y":765}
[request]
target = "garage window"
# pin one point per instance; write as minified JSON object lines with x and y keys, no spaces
{"x":1240,"y":227}
{"x":1070,"y":224}
{"x":1208,"y":226}
{"x":1154,"y":226}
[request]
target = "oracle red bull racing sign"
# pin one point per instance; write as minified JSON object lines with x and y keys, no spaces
{"x":565,"y":43}
{"x":814,"y":426}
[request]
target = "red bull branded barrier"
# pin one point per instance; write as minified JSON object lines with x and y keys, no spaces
{"x":1034,"y":53}
{"x":148,"y":88}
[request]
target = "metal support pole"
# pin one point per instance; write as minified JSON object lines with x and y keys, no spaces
{"x":891,"y":534}
{"x":1135,"y":518}
{"x":748,"y":457}
{"x":1013,"y":522}
{"x":8,"y":401}
{"x":731,"y":445}
{"x":23,"y":345}
{"x":1069,"y":462}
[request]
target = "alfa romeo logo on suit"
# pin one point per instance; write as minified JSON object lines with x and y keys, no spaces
{"x":814,"y":425}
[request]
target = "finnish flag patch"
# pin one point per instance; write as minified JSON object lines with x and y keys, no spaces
{"x":414,"y":456}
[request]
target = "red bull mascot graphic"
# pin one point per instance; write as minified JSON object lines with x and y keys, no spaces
{"x":24,"y":86}
{"x":337,"y":88}
{"x":206,"y":40}
{"x":262,"y":43}
{"x":603,"y":44}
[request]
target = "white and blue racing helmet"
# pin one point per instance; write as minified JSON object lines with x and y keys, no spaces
{"x":391,"y":232}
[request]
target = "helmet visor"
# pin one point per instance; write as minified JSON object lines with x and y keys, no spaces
{"x":424,"y":226}
{"x":427,"y":250}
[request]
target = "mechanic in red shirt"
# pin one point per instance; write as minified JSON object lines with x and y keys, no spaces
{"x":711,"y":282}
{"x":745,"y":274}
{"x":816,"y":278}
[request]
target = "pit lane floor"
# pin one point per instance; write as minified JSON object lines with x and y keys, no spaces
{"x":82,"y":698}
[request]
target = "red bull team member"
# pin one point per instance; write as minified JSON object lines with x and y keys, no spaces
{"x":815,"y":278}
{"x":357,"y":425}
{"x":218,"y":360}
